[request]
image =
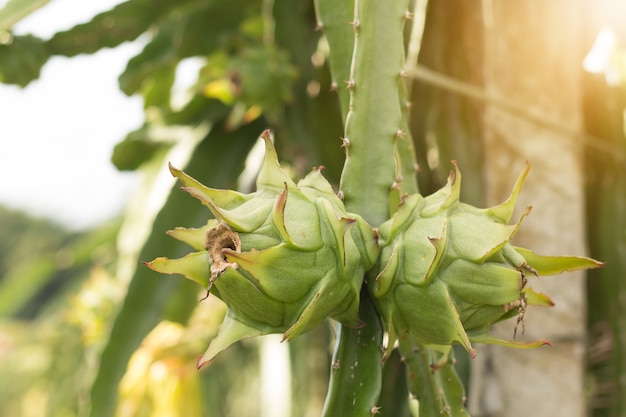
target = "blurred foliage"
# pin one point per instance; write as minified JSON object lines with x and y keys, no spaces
{"x":55,"y":296}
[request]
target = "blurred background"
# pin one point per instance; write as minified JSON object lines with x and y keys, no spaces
{"x":96,"y":97}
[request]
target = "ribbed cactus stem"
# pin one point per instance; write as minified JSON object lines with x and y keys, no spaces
{"x":333,"y":17}
{"x":356,"y":370}
{"x":374,"y":122}
{"x":438,"y":389}
{"x":375,"y":118}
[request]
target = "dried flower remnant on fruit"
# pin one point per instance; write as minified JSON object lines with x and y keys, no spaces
{"x":217,"y":239}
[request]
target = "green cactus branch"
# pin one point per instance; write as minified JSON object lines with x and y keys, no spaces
{"x":438,"y":391}
{"x":356,"y":369}
{"x":375,"y":119}
{"x":333,"y":17}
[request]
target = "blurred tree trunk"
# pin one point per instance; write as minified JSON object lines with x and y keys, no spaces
{"x":441,"y":119}
{"x":532,"y":57}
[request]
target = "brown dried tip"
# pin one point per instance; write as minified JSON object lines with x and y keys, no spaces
{"x":218,"y":238}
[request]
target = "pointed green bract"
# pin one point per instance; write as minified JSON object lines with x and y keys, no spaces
{"x":231,"y":331}
{"x":448,"y":270}
{"x":193,"y":237}
{"x":552,"y":265}
{"x":194,"y":266}
{"x":283,"y":259}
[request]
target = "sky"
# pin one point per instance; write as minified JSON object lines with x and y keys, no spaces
{"x":57,"y":134}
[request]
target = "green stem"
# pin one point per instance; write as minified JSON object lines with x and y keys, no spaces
{"x":438,"y":390}
{"x":357,"y":366}
{"x":333,"y":17}
{"x":375,"y":118}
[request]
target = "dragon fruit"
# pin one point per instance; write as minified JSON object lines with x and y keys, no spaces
{"x":448,"y":271}
{"x":283,"y":258}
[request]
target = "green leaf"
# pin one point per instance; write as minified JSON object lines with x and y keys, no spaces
{"x":264,"y":76}
{"x":137,"y":148}
{"x":15,"y":10}
{"x":123,"y":23}
{"x":21,"y":59}
{"x":154,"y":66}
{"x":216,"y":25}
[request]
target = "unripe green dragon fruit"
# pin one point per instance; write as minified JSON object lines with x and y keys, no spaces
{"x":283,"y":258}
{"x":448,"y":270}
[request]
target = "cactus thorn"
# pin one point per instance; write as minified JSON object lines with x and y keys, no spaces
{"x":345,"y":143}
{"x":333,"y":86}
{"x":375,"y":410}
{"x":408,"y":15}
{"x":400,"y":133}
{"x":356,"y":23}
{"x":319,"y":26}
{"x":404,"y":73}
{"x":350,"y":84}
